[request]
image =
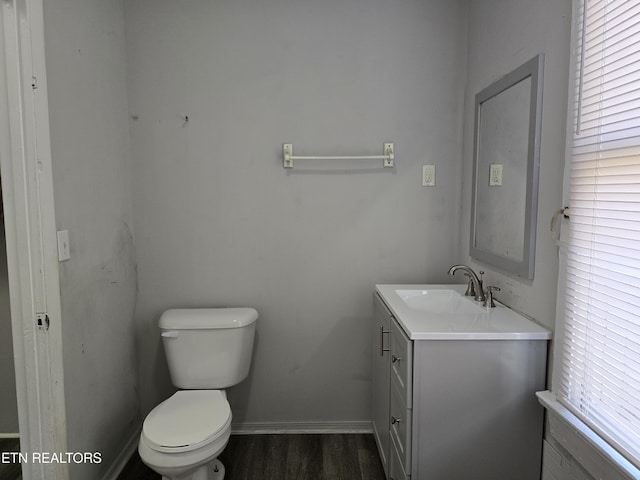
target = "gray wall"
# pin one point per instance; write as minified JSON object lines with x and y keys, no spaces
{"x":220,"y":222}
{"x":8,"y":405}
{"x":92,"y":189}
{"x":502,"y":36}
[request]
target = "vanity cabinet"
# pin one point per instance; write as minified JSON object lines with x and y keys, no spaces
{"x":456,"y":409}
{"x":392,"y":385}
{"x":381,"y":378}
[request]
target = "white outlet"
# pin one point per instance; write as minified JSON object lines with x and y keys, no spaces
{"x":495,"y":174}
{"x":428,"y":175}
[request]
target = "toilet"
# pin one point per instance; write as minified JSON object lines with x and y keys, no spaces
{"x":207,"y":350}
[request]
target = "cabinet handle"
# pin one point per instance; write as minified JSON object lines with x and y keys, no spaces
{"x":394,"y":420}
{"x":382,"y":332}
{"x":395,"y":359}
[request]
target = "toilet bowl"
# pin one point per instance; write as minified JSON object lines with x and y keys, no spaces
{"x":207,"y":350}
{"x":186,"y":432}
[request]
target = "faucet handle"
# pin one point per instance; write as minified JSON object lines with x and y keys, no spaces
{"x":471,"y":290}
{"x":488,"y":302}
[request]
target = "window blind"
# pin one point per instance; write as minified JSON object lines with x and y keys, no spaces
{"x":600,"y":354}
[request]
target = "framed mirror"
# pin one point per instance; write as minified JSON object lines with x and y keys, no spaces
{"x":506,"y":157}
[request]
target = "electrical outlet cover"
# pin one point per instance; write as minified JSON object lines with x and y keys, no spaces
{"x":495,"y":174}
{"x":428,"y":175}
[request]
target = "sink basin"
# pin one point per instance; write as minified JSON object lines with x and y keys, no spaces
{"x":442,"y":301}
{"x":443,"y":312}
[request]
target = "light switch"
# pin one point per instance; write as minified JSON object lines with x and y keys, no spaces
{"x":64,"y":250}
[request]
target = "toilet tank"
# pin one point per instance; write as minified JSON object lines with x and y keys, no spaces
{"x":208,"y":348}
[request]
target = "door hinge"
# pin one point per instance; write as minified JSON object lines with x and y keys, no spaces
{"x":42,"y":321}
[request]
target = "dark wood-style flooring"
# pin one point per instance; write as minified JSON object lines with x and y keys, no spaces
{"x":289,"y":457}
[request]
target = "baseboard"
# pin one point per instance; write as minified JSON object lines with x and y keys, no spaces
{"x":9,"y":435}
{"x":254,"y":428}
{"x":123,"y":457}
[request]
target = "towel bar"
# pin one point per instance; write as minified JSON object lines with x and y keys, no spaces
{"x":288,"y":157}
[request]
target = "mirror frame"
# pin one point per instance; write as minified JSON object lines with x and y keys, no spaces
{"x":532,"y":69}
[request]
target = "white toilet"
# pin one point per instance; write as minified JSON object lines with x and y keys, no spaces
{"x":207,"y":350}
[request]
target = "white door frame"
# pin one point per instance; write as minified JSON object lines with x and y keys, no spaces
{"x":27,"y":185}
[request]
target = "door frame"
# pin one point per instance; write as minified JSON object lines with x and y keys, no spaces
{"x":27,"y":185}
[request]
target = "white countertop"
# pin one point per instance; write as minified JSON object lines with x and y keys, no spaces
{"x":499,"y":323}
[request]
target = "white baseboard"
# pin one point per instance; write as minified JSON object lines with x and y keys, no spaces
{"x":123,"y":457}
{"x":9,"y":435}
{"x":254,"y":428}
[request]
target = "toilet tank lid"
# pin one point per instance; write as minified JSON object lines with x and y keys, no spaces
{"x":207,"y":318}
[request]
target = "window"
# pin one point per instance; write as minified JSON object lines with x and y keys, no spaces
{"x":599,"y":361}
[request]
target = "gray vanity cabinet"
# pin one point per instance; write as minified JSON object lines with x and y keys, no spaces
{"x":381,"y":379}
{"x":400,"y":411}
{"x":456,"y":409}
{"x":392,"y":387}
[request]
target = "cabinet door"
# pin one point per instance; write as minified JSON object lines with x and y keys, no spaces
{"x":400,"y":421}
{"x":396,"y":468}
{"x":401,"y":349}
{"x":381,"y":378}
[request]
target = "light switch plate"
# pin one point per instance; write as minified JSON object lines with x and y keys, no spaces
{"x":64,"y":250}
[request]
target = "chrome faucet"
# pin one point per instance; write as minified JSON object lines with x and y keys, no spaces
{"x":477,"y":283}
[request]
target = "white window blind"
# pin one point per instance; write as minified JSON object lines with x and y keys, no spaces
{"x":600,"y":354}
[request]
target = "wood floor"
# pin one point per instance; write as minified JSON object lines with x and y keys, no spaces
{"x":289,"y":457}
{"x":10,"y":471}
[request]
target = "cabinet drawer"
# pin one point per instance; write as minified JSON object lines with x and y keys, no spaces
{"x":401,"y":360}
{"x":400,"y":427}
{"x":396,"y":470}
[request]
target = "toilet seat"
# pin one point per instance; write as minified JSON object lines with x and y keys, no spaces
{"x":186,"y":421}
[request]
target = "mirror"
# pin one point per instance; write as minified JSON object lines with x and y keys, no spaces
{"x":505,"y":170}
